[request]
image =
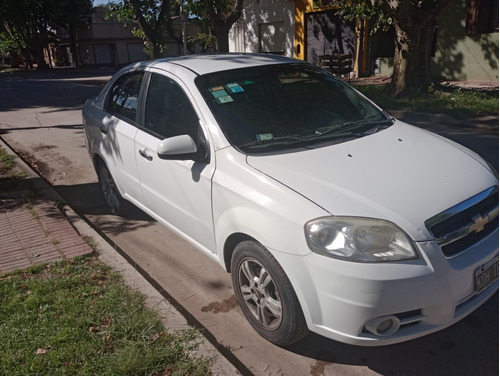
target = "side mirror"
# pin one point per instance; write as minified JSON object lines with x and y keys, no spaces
{"x":180,"y":147}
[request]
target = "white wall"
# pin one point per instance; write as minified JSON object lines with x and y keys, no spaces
{"x":275,"y":18}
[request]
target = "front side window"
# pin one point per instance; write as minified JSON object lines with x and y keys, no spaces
{"x":123,"y":96}
{"x":287,"y":107}
{"x":168,"y":109}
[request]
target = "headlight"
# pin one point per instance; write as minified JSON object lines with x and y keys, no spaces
{"x":359,"y":239}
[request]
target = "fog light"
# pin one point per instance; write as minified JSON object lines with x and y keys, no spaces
{"x":383,"y":326}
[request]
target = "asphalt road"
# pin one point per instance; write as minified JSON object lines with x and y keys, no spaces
{"x":40,"y":118}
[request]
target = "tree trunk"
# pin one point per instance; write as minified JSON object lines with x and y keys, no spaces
{"x":156,"y":51}
{"x":415,"y":23}
{"x":221,"y":33}
{"x":40,"y":59}
{"x":73,"y":48}
{"x":221,"y":25}
{"x":412,"y":58}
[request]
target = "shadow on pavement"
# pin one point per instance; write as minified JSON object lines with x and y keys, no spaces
{"x":461,"y":349}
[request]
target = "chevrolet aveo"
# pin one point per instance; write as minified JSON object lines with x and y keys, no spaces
{"x":330,"y":215}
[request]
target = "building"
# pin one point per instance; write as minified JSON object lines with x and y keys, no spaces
{"x":107,"y":42}
{"x":297,"y":29}
{"x":466,"y":46}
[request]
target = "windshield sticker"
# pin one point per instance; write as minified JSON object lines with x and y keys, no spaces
{"x":221,"y":95}
{"x":234,"y":88}
{"x":225,"y":99}
{"x":264,"y":136}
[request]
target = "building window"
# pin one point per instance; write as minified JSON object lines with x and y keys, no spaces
{"x":482,"y":17}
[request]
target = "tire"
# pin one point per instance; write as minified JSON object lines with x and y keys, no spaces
{"x":266,"y":295}
{"x":109,"y":190}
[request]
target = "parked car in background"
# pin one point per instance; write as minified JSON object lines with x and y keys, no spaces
{"x":330,"y":215}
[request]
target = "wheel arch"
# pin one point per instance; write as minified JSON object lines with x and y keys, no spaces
{"x":230,"y":244}
{"x":96,"y":159}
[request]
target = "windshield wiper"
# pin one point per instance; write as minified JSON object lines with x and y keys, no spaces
{"x":275,"y":140}
{"x":379,"y":123}
{"x":375,"y":126}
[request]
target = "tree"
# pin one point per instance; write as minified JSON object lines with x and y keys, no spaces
{"x":27,"y":26}
{"x":415,"y":23}
{"x":70,"y":15}
{"x":150,"y":19}
{"x":216,"y":18}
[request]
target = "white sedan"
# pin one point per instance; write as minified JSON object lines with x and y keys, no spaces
{"x":330,"y":215}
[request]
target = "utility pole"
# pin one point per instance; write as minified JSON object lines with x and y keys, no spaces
{"x":183,"y":24}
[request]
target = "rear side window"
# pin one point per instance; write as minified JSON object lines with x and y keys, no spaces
{"x":123,"y":96}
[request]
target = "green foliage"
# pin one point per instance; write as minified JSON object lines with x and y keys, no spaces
{"x":124,"y":13}
{"x":26,"y":25}
{"x":150,"y":20}
{"x":206,"y":40}
{"x":7,"y":161}
{"x":78,"y":318}
{"x":215,"y":19}
{"x":365,"y":10}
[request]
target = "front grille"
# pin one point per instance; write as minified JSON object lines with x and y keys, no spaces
{"x":460,"y":227}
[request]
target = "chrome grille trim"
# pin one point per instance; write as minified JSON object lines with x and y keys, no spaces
{"x":469,"y":217}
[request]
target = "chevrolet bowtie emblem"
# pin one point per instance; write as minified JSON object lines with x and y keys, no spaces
{"x":478,"y":223}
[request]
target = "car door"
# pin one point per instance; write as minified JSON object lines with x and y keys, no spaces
{"x":119,"y":127}
{"x":178,"y":192}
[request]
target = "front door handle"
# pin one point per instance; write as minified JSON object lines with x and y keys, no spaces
{"x":145,"y":154}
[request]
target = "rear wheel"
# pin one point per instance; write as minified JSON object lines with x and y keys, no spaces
{"x":109,"y":190}
{"x":266,"y":295}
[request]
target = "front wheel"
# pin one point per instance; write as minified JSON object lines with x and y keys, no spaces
{"x":266,"y":295}
{"x":109,"y":190}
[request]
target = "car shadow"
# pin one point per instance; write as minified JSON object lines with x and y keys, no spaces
{"x":86,"y":200}
{"x":470,"y":347}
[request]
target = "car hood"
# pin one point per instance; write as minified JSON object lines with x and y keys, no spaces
{"x":402,"y":174}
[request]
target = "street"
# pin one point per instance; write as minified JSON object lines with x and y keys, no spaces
{"x":40,"y":118}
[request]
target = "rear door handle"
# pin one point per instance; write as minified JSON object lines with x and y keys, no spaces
{"x":145,"y":154}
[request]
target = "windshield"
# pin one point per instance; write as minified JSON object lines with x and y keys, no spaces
{"x":287,"y":107}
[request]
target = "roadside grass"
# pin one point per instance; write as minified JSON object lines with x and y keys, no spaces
{"x":456,"y":102}
{"x":78,"y":318}
{"x":9,"y":69}
{"x":7,"y":161}
{"x":12,"y":179}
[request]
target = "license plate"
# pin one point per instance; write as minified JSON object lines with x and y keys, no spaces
{"x":485,"y":275}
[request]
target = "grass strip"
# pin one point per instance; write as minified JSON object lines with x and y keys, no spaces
{"x":7,"y":161}
{"x":456,"y":102}
{"x":78,"y":318}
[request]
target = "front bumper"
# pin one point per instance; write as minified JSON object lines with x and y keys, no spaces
{"x":426,"y":295}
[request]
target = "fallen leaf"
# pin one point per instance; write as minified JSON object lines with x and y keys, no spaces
{"x":107,"y":321}
{"x":41,"y":351}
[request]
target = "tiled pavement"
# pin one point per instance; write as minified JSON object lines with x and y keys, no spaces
{"x":35,"y":233}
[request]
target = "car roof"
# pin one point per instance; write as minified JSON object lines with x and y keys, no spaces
{"x":203,"y":64}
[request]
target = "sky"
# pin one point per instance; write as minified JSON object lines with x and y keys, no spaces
{"x":101,"y":2}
